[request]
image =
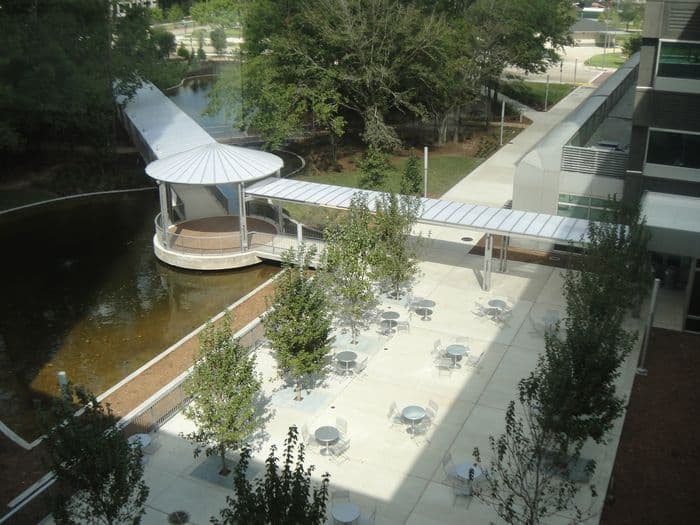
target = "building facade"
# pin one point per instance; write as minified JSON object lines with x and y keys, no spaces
{"x":664,"y":160}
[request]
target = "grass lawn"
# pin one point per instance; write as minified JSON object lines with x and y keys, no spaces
{"x":613,"y":60}
{"x":532,"y":93}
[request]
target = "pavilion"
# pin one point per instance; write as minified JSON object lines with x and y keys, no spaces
{"x":204,"y":221}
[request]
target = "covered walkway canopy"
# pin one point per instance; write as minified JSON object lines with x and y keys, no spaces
{"x":492,"y":221}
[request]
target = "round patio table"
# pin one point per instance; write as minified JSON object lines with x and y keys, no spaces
{"x":498,"y":303}
{"x":346,"y":357}
{"x":462,"y":471}
{"x":424,"y":308}
{"x":389,"y":319}
{"x":345,"y":512}
{"x":141,"y":439}
{"x":414,"y":414}
{"x":326,"y":435}
{"x":550,"y":320}
{"x":456,"y":351}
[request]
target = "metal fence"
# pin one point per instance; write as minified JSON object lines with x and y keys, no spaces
{"x":156,"y":411}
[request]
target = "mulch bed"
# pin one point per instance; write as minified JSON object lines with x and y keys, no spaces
{"x":20,"y":468}
{"x":655,"y":477}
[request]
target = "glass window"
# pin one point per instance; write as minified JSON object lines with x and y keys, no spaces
{"x":679,"y":60}
{"x":577,"y":212}
{"x":674,"y":149}
{"x":574,"y":199}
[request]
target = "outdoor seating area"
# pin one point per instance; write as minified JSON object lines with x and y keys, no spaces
{"x":397,"y":417}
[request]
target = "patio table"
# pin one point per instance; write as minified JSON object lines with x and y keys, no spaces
{"x":462,"y":471}
{"x":345,"y":512}
{"x":389,"y":319}
{"x":425,"y":308}
{"x":414,"y":414}
{"x":456,"y":351}
{"x":498,"y":303}
{"x":346,"y":358}
{"x":141,"y":439}
{"x":326,"y":435}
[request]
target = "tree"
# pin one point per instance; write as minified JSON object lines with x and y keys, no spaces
{"x":223,"y":388}
{"x":630,"y":12}
{"x":393,"y":258}
{"x":285,"y":496}
{"x":299,"y":323}
{"x":165,"y":42}
{"x":411,"y":179}
{"x":632,"y":45}
{"x":219,"y":12}
{"x":156,"y":14}
{"x":218,"y":40}
{"x":575,"y":381}
{"x":175,"y":13}
{"x":356,"y":54}
{"x":182,"y":51}
{"x":373,"y":169}
{"x":201,"y":55}
{"x":349,"y":245}
{"x":99,"y":473}
{"x":64,"y":65}
{"x":520,"y":483}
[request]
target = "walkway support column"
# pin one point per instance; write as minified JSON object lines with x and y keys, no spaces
{"x":488,"y":252}
{"x":503,"y":255}
{"x":300,"y":235}
{"x":242,"y":217}
{"x":163,"y":195}
{"x":280,"y":219}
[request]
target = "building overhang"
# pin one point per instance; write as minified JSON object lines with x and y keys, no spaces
{"x":674,"y":223}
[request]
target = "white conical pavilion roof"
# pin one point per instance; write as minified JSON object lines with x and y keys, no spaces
{"x":215,"y":163}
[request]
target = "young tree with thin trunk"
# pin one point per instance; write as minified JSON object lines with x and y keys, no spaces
{"x":224,"y":390}
{"x":286,"y":495}
{"x":99,"y":474}
{"x":520,"y":482}
{"x":374,"y":168}
{"x":299,"y":322}
{"x":412,"y":179}
{"x":349,"y":245}
{"x":393,"y":259}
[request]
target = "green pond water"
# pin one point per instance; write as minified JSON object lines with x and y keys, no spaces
{"x":83,"y":292}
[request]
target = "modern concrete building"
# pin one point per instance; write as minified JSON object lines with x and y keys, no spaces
{"x":636,"y":137}
{"x":664,"y":160}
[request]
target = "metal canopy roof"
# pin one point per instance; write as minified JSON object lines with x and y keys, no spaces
{"x":434,"y":211}
{"x":215,"y":163}
{"x":166,"y":128}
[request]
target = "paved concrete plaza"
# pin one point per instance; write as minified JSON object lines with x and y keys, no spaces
{"x":386,"y":466}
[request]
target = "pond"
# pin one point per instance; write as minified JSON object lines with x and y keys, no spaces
{"x":84,"y":293}
{"x":193,"y":96}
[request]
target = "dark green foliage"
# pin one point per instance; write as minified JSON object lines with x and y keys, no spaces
{"x":373,"y":169}
{"x":175,"y":13}
{"x":165,"y":42}
{"x":298,"y":326}
{"x":201,"y":55}
{"x":285,"y":496}
{"x":632,"y":45}
{"x":223,"y":389}
{"x":59,"y":66}
{"x":182,"y":51}
{"x":218,"y":40}
{"x":412,"y":178}
{"x":99,"y":474}
{"x":523,"y":484}
{"x":574,"y":383}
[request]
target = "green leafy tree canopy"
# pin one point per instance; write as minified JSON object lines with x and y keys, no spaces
{"x":224,"y":389}
{"x":299,"y":323}
{"x":99,"y":474}
{"x":285,"y":495}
